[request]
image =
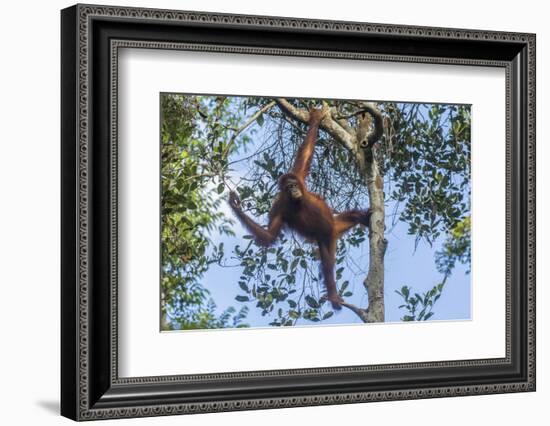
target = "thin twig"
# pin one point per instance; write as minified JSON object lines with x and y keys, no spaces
{"x":246,"y":125}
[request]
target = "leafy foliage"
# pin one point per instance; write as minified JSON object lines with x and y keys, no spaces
{"x":457,"y":248}
{"x":419,"y":307}
{"x":207,"y":317}
{"x":287,"y":273}
{"x":427,"y":158}
{"x":192,"y":156}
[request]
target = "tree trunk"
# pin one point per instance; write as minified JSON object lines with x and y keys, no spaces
{"x":374,"y":282}
{"x":365,"y":154}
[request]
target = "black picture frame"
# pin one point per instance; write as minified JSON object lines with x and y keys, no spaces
{"x":90,"y":386}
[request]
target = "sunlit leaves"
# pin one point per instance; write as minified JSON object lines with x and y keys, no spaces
{"x":428,"y":162}
{"x":193,"y":157}
{"x":457,"y":248}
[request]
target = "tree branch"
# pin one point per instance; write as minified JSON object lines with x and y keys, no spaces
{"x":251,"y":120}
{"x":328,"y":124}
{"x":292,"y":111}
{"x":360,"y":312}
{"x":368,"y":139}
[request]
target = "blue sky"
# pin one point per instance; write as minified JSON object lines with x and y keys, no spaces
{"x":404,"y":265}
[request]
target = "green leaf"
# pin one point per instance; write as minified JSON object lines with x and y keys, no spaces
{"x":242,"y":298}
{"x":328,"y":315}
{"x":293,"y":314}
{"x":297,"y":252}
{"x":312,"y":302}
{"x":260,"y":120}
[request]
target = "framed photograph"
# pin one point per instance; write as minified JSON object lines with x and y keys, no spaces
{"x":263,"y":212}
